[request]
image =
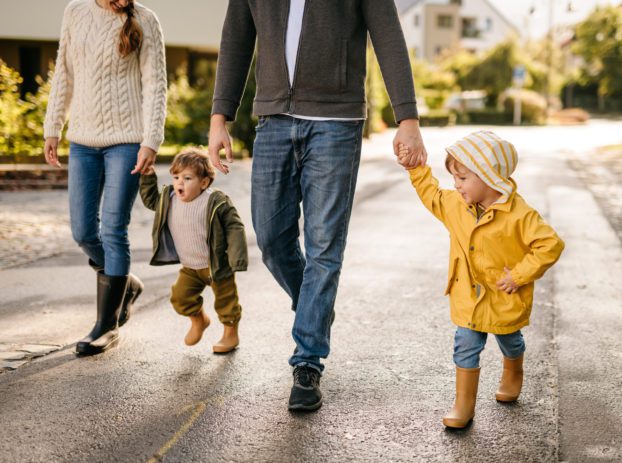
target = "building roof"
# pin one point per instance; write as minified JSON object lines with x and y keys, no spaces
{"x":197,"y":25}
{"x":405,"y":5}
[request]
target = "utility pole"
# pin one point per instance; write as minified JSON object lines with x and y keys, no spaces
{"x":550,"y":39}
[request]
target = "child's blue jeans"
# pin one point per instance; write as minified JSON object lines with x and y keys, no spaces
{"x":469,"y":344}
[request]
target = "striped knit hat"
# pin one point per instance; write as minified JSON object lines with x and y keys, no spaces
{"x":492,"y":158}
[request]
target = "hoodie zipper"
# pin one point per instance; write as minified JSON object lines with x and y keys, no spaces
{"x":292,"y":85}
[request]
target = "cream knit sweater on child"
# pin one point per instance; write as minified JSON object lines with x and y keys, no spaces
{"x":111,"y":99}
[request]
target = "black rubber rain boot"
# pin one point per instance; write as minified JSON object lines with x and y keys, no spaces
{"x":134,"y":288}
{"x":105,"y":334}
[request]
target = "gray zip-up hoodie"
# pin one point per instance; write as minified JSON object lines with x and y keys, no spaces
{"x":329,"y":78}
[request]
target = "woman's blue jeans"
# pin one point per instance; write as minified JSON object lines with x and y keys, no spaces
{"x":101,"y":178}
{"x":314,"y":163}
{"x":469,"y":344}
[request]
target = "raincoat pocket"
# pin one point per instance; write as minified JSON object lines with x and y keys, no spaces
{"x":451,"y":275}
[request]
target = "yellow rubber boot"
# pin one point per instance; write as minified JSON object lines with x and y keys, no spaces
{"x":229,"y":340}
{"x":200,"y":322}
{"x":511,"y":380}
{"x":463,"y":411}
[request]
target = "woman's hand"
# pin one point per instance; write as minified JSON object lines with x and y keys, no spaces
{"x":50,"y":151}
{"x":145,"y":161}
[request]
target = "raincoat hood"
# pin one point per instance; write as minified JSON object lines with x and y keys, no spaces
{"x":492,"y":158}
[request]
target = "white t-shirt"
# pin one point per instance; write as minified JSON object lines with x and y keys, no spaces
{"x":294,"y":29}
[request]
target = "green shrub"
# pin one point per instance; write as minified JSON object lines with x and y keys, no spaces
{"x":190,"y":107}
{"x":437,"y":118}
{"x":485,"y":116}
{"x":187,"y":123}
{"x":387,"y":116}
{"x":533,"y":105}
{"x":14,"y":136}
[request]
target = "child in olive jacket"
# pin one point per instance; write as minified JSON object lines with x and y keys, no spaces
{"x":499,"y":246}
{"x":199,"y":227}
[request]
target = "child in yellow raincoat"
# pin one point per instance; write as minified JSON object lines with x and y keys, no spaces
{"x":499,"y":246}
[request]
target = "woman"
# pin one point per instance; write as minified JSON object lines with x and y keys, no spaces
{"x":111,"y":75}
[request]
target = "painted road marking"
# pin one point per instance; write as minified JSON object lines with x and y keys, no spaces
{"x":199,"y":408}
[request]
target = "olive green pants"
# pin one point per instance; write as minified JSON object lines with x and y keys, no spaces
{"x":187,"y":300}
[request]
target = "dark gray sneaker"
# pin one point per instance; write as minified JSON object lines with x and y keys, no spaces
{"x":306,"y":395}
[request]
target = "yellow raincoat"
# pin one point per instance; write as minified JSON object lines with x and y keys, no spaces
{"x":508,"y":234}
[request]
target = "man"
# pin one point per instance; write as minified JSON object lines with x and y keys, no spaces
{"x":310,"y":99}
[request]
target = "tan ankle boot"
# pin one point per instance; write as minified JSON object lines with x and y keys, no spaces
{"x":467,"y":381}
{"x":511,"y":380}
{"x":229,"y":340}
{"x":200,"y":322}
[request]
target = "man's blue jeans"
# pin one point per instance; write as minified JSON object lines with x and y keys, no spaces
{"x":469,"y":344}
{"x":100,"y":177}
{"x":314,"y":163}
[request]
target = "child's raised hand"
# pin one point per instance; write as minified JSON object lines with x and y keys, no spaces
{"x":403,"y":151}
{"x":403,"y":154}
{"x":506,"y":283}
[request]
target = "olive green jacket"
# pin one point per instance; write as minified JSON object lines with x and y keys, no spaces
{"x":226,"y":239}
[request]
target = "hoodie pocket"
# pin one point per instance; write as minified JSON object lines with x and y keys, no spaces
{"x":453,"y":266}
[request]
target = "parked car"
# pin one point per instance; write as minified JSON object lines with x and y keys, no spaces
{"x":469,"y":100}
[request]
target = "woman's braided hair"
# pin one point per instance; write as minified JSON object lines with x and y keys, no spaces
{"x":131,"y":32}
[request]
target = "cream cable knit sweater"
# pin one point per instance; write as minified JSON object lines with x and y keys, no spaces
{"x":111,"y":100}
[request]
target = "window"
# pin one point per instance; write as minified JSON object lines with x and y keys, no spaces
{"x":469,"y":28}
{"x":438,"y":50}
{"x":445,"y":21}
{"x":416,"y":20}
{"x":488,"y":24}
{"x":30,"y":68}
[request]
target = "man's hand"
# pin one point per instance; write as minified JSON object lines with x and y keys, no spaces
{"x":145,"y":160}
{"x":50,"y":151}
{"x":408,"y":134}
{"x":507,"y":283}
{"x":219,"y":139}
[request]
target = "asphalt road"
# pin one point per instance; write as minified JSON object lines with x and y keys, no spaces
{"x":389,"y":378}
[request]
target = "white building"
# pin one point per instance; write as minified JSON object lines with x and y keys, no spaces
{"x":432,"y":26}
{"x":30,"y":30}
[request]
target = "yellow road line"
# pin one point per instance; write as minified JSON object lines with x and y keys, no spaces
{"x":198,"y":410}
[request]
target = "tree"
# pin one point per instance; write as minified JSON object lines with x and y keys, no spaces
{"x":494,"y":72}
{"x":599,"y":43}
